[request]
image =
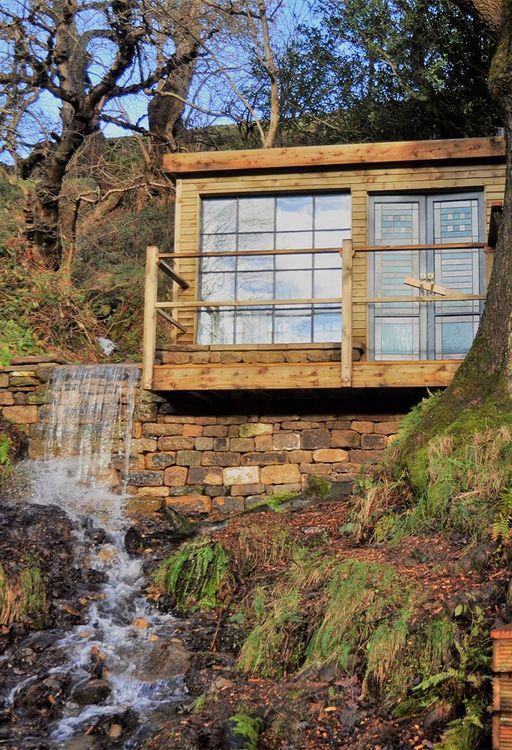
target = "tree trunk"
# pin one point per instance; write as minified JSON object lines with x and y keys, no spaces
{"x":484,"y":379}
{"x":41,"y":209}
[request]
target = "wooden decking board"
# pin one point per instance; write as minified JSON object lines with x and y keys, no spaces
{"x":244,"y":376}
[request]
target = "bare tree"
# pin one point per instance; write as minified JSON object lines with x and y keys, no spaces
{"x":66,"y":64}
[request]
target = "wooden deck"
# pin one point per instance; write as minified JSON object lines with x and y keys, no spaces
{"x":300,"y":375}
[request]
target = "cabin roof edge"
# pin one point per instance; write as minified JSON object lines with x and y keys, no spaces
{"x":368,"y":154}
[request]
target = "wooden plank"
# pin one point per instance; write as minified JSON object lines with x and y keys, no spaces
{"x":250,"y":302}
{"x":346,"y":315}
{"x":315,"y":156}
{"x":180,"y":281}
{"x":150,"y":299}
{"x":301,"y":375}
{"x":165,"y":315}
{"x":431,"y":287}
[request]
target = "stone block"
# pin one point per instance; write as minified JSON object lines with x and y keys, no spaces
{"x":215,"y":430}
{"x":386,"y":428}
{"x":145,"y":412}
{"x":144,"y":445}
{"x":225,"y":505}
{"x":247,"y":489}
{"x":255,"y":428}
{"x":175,"y":476}
{"x":374,"y":442}
{"x":4,"y":380}
{"x":301,"y":425}
{"x":143,"y":505}
{"x":153,"y":491}
{"x":6,"y":398}
{"x":190,"y":504}
{"x":241,"y":475}
{"x":263,"y":442}
{"x":364,"y":456}
{"x":137,"y":430}
{"x":176,"y":443}
{"x":220,"y":444}
{"x":158,"y":429}
{"x":330,"y":455}
{"x":17,"y":381}
{"x":204,"y":443}
{"x":145,"y":478}
{"x":284,"y":474}
{"x":212,"y":490}
{"x":323,"y":470}
{"x":21,"y":414}
{"x":212,"y":475}
{"x":242,"y":445}
{"x":224,"y":458}
{"x":262,"y":459}
{"x":188,"y":458}
{"x":192,"y":430}
{"x":136,"y":462}
{"x":316,"y":438}
{"x":160,"y":460}
{"x":38,"y":397}
{"x":300,"y":457}
{"x":20,"y":398}
{"x":363,"y":426}
{"x":337,"y":424}
{"x":345,"y":439}
{"x":286,"y":441}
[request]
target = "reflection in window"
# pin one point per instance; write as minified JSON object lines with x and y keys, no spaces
{"x":259,"y":223}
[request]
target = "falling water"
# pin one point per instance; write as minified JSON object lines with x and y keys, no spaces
{"x":90,"y":422}
{"x":91,"y":416}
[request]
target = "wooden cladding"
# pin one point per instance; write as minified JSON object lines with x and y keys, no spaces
{"x":327,"y":156}
{"x":502,"y":688}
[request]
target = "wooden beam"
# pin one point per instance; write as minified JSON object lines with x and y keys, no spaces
{"x":249,"y":303}
{"x":165,"y":315}
{"x":432,"y":288}
{"x":346,"y":315}
{"x":180,"y":281}
{"x":150,"y":298}
{"x":301,"y":375}
{"x":343,"y":155}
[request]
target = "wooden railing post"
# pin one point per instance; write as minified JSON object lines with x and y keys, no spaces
{"x":150,"y":300}
{"x":346,"y":314}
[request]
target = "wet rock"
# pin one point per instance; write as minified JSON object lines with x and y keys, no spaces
{"x":42,"y":695}
{"x":167,"y":658}
{"x":133,"y":542}
{"x":91,"y":692}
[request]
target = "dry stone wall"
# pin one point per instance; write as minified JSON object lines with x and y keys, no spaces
{"x":214,"y":464}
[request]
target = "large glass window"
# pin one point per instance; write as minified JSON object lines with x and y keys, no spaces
{"x":288,"y":222}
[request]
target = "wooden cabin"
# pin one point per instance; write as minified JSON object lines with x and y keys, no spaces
{"x":353,"y":266}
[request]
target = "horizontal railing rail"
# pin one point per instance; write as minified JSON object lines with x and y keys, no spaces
{"x":428,"y":292}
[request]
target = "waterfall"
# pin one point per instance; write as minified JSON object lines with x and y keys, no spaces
{"x":90,"y":423}
{"x":91,"y":416}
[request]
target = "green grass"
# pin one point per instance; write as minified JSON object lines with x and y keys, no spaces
{"x":196,"y":577}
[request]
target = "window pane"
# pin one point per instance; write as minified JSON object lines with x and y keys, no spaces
{"x":332,"y":238}
{"x":218,"y":243}
{"x":253,"y":326}
{"x":255,"y":285}
{"x":332,"y":211}
{"x":302,"y":260}
{"x":256,"y":214}
{"x":215,"y":326}
{"x":327,"y":326}
{"x":255,"y":242}
{"x":457,"y":336}
{"x":292,"y":325}
{"x":327,"y":260}
{"x":397,"y":338}
{"x":256,"y":262}
{"x":219,"y":215}
{"x":293,"y":284}
{"x":294,"y":212}
{"x":327,"y":283}
{"x":217,"y":286}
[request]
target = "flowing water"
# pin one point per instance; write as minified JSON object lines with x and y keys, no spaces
{"x":89,"y":425}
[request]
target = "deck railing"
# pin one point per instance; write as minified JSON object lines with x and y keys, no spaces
{"x":428,"y":291}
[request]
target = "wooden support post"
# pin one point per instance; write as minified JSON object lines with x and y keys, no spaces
{"x":150,"y":300}
{"x":346,"y":314}
{"x":502,"y":687}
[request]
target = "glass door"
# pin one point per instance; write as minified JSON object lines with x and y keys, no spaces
{"x":437,"y":330}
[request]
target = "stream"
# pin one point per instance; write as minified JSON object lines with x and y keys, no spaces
{"x":121,"y":666}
